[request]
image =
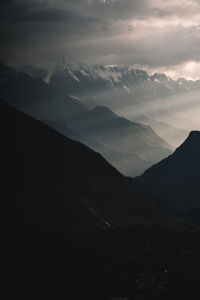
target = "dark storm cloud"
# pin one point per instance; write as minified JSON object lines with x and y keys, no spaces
{"x":18,"y":11}
{"x":25,"y":23}
{"x":154,"y":33}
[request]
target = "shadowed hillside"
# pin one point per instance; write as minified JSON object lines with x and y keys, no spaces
{"x":61,"y":184}
{"x":176,"y":179}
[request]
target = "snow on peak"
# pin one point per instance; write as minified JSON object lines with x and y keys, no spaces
{"x":109,"y":74}
{"x":126,"y":88}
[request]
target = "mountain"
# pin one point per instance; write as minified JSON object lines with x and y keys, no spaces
{"x":56,"y":183}
{"x":123,"y":89}
{"x":83,"y":80}
{"x":137,"y":145}
{"x":51,"y":183}
{"x":62,"y":129}
{"x":130,"y":147}
{"x":173,"y":135}
{"x":32,"y":71}
{"x":37,"y":98}
{"x":176,"y":179}
{"x":132,"y":92}
{"x":22,"y":91}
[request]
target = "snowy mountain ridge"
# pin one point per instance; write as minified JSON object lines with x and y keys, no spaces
{"x":121,"y":77}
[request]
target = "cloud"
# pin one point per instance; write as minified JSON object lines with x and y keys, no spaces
{"x":188,"y":70}
{"x":154,"y":33}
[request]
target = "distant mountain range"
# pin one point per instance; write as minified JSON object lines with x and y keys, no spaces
{"x":176,"y":179}
{"x":62,"y":185}
{"x":129,"y":146}
{"x":175,"y":136}
{"x":80,"y":79}
{"x":133,"y":92}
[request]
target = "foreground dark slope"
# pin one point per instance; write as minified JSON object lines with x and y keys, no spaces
{"x":176,"y":179}
{"x":61,"y":184}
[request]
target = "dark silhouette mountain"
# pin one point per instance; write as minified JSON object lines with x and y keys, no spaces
{"x":192,"y":215}
{"x":62,"y":129}
{"x":176,"y":179}
{"x":55,"y":182}
{"x":51,"y":182}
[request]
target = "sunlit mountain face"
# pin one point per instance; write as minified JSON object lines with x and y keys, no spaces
{"x":100,"y":106}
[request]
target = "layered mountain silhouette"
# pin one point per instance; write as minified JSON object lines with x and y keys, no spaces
{"x":63,"y":129}
{"x":131,"y":92}
{"x":76,"y":222}
{"x":55,"y":182}
{"x":138,"y":145}
{"x":176,"y":179}
{"x":129,"y":146}
{"x":173,"y":135}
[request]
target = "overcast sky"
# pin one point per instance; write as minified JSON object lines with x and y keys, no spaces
{"x":159,"y":35}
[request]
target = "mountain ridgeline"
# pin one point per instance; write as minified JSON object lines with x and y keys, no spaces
{"x":133,"y":92}
{"x":74,"y":224}
{"x":175,"y":136}
{"x":176,"y":179}
{"x":129,"y":146}
{"x":63,"y":185}
{"x":80,"y":80}
{"x":75,"y":221}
